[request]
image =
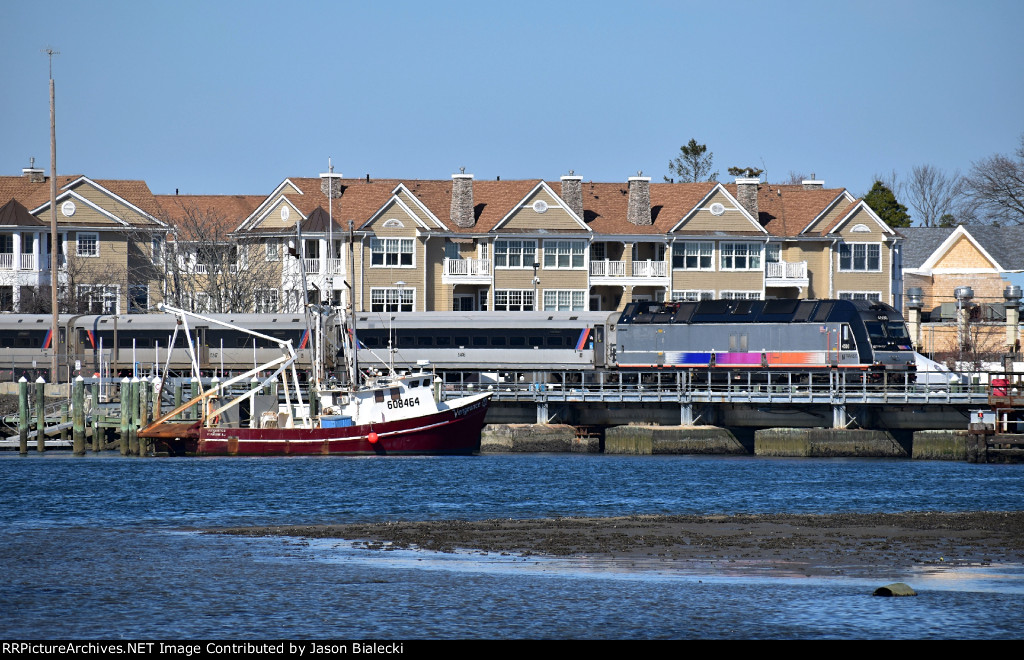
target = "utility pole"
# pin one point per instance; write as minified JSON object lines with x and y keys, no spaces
{"x":54,"y":336}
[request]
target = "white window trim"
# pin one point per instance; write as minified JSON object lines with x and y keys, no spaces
{"x":732,"y":294}
{"x":839,"y":257}
{"x":692,"y":295}
{"x":576,"y":248}
{"x":572,"y":294}
{"x":274,"y":255}
{"x":759,"y":254}
{"x":710,"y":268}
{"x":130,"y":296}
{"x":523,"y":293}
{"x":384,"y":292}
{"x":529,"y":247}
{"x":385,"y":242}
{"x":103,"y":289}
{"x":78,"y":243}
{"x":860,"y":295}
{"x":267,"y":301}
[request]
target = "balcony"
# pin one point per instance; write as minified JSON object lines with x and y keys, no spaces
{"x":606,"y":269}
{"x":783,"y":273}
{"x":6,"y":261}
{"x":469,"y":271}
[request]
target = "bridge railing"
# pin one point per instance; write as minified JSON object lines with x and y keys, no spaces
{"x":727,"y":385}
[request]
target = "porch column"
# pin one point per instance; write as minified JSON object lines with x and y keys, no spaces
{"x":16,"y":257}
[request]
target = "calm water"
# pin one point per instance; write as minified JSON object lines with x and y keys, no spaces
{"x":108,"y":547}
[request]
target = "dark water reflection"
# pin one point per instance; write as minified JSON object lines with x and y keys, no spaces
{"x":105,"y":547}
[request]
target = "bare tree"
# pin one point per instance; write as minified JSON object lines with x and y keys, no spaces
{"x":891,"y":181}
{"x":932,"y":193}
{"x":995,"y":187}
{"x":208,"y":270}
{"x":795,"y":178}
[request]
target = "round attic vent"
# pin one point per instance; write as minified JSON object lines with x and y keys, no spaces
{"x":68,"y":208}
{"x":717,"y":209}
{"x":540,"y":206}
{"x":285,"y":212}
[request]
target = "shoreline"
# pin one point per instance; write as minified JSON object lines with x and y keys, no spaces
{"x":814,"y":544}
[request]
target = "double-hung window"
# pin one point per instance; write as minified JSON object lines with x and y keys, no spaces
{"x":392,"y":300}
{"x":741,"y":256}
{"x":564,"y":300}
{"x":513,"y":300}
{"x":693,"y":255}
{"x":860,"y":256}
{"x":514,"y":253}
{"x":87,"y":244}
{"x":391,"y":252}
{"x":564,"y":254}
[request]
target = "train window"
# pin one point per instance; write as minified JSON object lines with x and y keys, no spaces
{"x":498,"y":341}
{"x":462,"y":340}
{"x":479,"y":341}
{"x":425,"y":341}
{"x":555,"y":341}
{"x":804,"y":310}
{"x":780,"y":306}
{"x":517,"y":341}
{"x":22,"y":342}
{"x":405,"y":340}
{"x":713,"y":307}
{"x":823,"y":312}
{"x":443,"y":341}
{"x":536,"y":341}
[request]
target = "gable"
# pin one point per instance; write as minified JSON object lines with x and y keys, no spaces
{"x":74,"y":209}
{"x":964,"y":255}
{"x":718,"y":212}
{"x":834,"y":211}
{"x":279,"y":215}
{"x":394,"y":218}
{"x":540,"y":209}
{"x":861,"y":223}
{"x":102,"y":200}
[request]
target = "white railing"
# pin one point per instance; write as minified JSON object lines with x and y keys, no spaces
{"x":6,"y":261}
{"x":607,"y":268}
{"x":784,"y":270}
{"x":649,"y":269}
{"x":335,"y":267}
{"x":467,"y":267}
{"x":312,"y":265}
{"x":28,"y":261}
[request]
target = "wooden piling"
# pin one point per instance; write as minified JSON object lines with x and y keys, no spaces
{"x":64,"y":410}
{"x":40,"y":414}
{"x":78,"y":412}
{"x":23,"y":416}
{"x":133,"y":417}
{"x":125,"y":411}
{"x":144,"y":404}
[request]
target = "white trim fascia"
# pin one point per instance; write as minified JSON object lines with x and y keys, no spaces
{"x":699,"y":206}
{"x":402,"y":205}
{"x":420,"y":204}
{"x":99,"y":209}
{"x":533,"y":191}
{"x":257,"y":214}
{"x":268,"y":211}
{"x":845,"y":194}
{"x":947,"y":244}
{"x":861,"y":204}
{"x":120,"y":199}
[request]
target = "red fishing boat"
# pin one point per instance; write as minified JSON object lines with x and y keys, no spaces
{"x":385,"y":415}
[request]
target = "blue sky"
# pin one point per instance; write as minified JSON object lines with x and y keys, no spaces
{"x":219,"y":97}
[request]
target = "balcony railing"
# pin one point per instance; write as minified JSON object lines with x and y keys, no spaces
{"x":608,"y":268}
{"x":783,"y":270}
{"x":467,"y":267}
{"x":6,"y":261}
{"x":312,"y":265}
{"x":28,"y":261}
{"x":335,"y":267}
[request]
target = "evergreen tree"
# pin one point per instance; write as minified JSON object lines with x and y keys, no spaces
{"x":883,"y":202}
{"x":693,"y":163}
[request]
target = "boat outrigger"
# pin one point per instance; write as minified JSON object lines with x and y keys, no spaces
{"x":382,"y":414}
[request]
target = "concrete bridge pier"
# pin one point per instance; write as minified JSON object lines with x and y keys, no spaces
{"x":686,"y":414}
{"x":839,"y":419}
{"x":542,"y":412}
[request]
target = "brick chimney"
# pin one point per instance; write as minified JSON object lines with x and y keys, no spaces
{"x":813,"y":184}
{"x":639,"y":210}
{"x":572,"y":192}
{"x":462,"y":200}
{"x":746,"y":194}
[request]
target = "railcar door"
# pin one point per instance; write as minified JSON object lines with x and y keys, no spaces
{"x":599,"y":346}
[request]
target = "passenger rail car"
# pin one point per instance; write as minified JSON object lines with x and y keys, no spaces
{"x":86,"y":343}
{"x":483,"y":341}
{"x":794,"y":335}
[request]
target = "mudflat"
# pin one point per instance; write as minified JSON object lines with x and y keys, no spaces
{"x":839,"y":543}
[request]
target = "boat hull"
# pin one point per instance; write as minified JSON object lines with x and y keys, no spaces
{"x":452,"y":431}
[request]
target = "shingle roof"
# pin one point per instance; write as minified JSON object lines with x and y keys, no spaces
{"x":1003,"y":243}
{"x":213,"y":216}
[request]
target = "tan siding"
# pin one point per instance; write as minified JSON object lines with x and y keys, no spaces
{"x":393,"y":211}
{"x":836,"y":211}
{"x":107,"y":203}
{"x":525,"y":218}
{"x":272,"y":219}
{"x":731,"y":220}
{"x":408,"y":200}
